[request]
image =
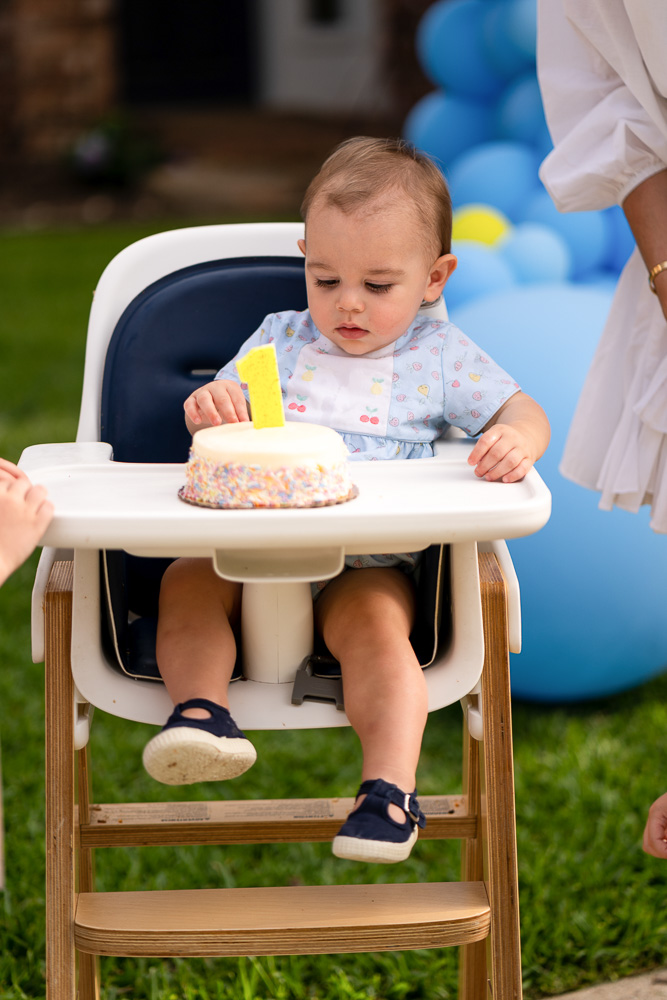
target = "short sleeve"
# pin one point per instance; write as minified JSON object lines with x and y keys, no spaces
{"x":475,"y":385}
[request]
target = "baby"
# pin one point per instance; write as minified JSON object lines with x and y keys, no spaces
{"x":377,"y":247}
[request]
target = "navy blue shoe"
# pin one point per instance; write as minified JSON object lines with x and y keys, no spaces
{"x":370,"y":834}
{"x":188,"y":750}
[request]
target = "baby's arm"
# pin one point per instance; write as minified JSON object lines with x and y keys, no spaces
{"x":512,"y":441}
{"x":24,"y":517}
{"x":218,"y":402}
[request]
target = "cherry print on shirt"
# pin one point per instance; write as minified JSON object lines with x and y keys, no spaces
{"x":369,"y":416}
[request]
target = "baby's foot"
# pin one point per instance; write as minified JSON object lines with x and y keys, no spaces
{"x":188,"y":750}
{"x":371,"y":834}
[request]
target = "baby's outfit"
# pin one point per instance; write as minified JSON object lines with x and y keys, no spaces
{"x":389,"y":404}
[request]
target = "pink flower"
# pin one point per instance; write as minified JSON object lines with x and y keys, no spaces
{"x":474,"y":413}
{"x":400,"y":398}
{"x":455,"y":384}
{"x":476,"y":395}
{"x":436,"y":376}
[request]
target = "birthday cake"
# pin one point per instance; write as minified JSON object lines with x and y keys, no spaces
{"x":240,"y":465}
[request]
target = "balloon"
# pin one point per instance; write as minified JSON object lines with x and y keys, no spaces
{"x":444,"y":125}
{"x":535,"y":253}
{"x":593,"y":582}
{"x":586,"y":233}
{"x":482,"y":223}
{"x":450,"y":47}
{"x":520,"y":114}
{"x":621,"y":241}
{"x":502,"y":174}
{"x":509,"y":32}
{"x":480,"y":271}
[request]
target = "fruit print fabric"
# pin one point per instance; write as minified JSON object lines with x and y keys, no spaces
{"x":391,"y":403}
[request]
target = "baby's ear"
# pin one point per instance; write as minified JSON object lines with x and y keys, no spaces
{"x":302,"y":246}
{"x":439,"y":274}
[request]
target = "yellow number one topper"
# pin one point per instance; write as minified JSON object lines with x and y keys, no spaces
{"x":259,"y":368}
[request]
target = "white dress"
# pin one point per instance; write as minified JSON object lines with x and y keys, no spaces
{"x":602,"y":68}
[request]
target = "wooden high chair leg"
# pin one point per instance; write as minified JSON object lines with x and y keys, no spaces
{"x":60,"y":827}
{"x":89,"y":965}
{"x":503,"y":883}
{"x":472,"y":967}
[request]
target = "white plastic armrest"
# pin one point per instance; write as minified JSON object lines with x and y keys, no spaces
{"x":502,"y":554}
{"x":48,"y":557}
{"x":46,"y":456}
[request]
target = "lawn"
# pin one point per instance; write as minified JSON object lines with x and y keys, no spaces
{"x":592,"y":903}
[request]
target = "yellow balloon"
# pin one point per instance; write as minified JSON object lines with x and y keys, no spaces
{"x":481,"y":223}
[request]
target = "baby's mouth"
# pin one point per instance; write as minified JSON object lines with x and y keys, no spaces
{"x":350,"y":331}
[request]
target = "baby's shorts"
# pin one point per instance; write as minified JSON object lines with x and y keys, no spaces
{"x":407,"y":562}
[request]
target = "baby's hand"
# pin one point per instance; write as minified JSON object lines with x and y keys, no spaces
{"x":25,"y":514}
{"x":504,"y":452}
{"x":655,"y":834}
{"x":219,"y":402}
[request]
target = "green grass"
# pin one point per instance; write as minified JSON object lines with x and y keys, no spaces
{"x":592,"y":903}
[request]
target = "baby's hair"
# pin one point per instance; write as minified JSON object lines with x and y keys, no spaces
{"x":362,"y":168}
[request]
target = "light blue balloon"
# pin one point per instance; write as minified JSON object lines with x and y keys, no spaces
{"x":480,"y":272}
{"x":451,"y":49}
{"x":587,"y":234}
{"x":502,"y":174}
{"x":535,"y":253}
{"x":593,"y":582}
{"x":444,"y":125}
{"x":520,"y":113}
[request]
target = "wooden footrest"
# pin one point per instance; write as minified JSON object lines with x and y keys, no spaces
{"x":291,"y":920}
{"x":248,"y":821}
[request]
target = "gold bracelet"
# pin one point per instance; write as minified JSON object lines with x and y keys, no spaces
{"x":654,"y":272}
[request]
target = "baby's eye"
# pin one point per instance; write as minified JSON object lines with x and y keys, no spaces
{"x":326,"y":282}
{"x":373,"y":287}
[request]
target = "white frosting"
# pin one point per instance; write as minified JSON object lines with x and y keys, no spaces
{"x":270,"y":447}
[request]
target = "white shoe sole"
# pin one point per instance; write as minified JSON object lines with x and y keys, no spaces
{"x":183,"y":756}
{"x":378,"y":851}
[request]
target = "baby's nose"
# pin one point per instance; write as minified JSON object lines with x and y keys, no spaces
{"x":349,"y":301}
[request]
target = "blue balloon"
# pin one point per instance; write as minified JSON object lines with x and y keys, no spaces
{"x":593,"y":582}
{"x":586,"y":233}
{"x":508,"y":29}
{"x":451,"y":50}
{"x":444,"y":125}
{"x":480,"y":272}
{"x":621,"y":241}
{"x":535,"y":253}
{"x":502,"y":174}
{"x":520,"y":114}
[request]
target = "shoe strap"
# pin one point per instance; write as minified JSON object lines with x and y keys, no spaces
{"x":210,"y":706}
{"x":408,"y":802}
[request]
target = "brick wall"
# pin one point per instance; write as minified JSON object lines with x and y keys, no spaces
{"x":59,"y":72}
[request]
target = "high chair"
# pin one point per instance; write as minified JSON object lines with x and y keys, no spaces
{"x":167,"y":313}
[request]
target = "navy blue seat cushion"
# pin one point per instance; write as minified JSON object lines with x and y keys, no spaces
{"x":174,"y":337}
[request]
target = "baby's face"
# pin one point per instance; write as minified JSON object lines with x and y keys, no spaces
{"x":367,"y":273}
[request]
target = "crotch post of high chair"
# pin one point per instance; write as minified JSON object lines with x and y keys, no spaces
{"x":277,"y":608}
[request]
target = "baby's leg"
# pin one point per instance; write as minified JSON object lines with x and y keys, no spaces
{"x":196,"y":652}
{"x":365,"y":617}
{"x":196,"y":647}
